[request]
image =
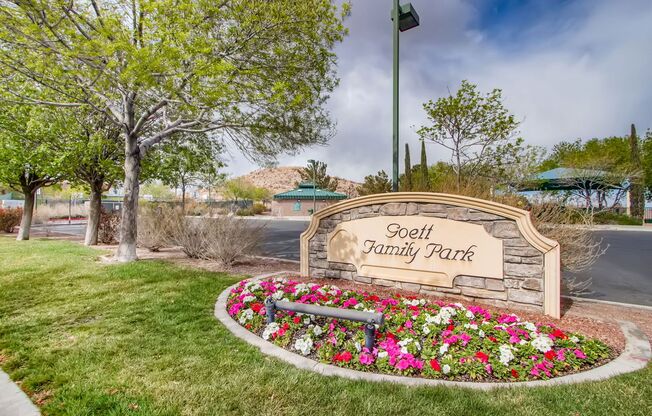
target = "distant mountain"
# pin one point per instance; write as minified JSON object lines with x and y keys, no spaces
{"x":283,"y":179}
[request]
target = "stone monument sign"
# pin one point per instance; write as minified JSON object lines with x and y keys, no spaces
{"x":429,"y":243}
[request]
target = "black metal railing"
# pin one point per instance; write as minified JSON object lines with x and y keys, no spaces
{"x":370,"y":319}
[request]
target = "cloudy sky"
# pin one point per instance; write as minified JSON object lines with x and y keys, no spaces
{"x":568,"y":69}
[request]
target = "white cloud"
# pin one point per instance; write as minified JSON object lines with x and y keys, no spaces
{"x":589,"y":75}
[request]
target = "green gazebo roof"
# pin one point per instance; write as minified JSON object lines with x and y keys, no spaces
{"x":564,"y":179}
{"x":307,"y":191}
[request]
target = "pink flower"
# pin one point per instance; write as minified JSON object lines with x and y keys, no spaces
{"x":488,"y":368}
{"x":366,"y":359}
{"x":579,"y":354}
{"x":408,"y":324}
{"x":403,"y":364}
{"x":560,"y":355}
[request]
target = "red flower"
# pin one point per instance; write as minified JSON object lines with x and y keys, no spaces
{"x":550,"y":355}
{"x":482,"y":356}
{"x":372,"y":298}
{"x":435,"y":365}
{"x":391,"y":336}
{"x":343,"y":357}
{"x":492,"y":339}
{"x":256,"y":307}
{"x":450,"y":327}
{"x":296,"y":320}
{"x":514,"y":373}
{"x":557,"y":333}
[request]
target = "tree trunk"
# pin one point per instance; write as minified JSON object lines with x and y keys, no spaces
{"x":128,"y":224}
{"x":183,"y":197}
{"x":94,"y":212}
{"x":28,"y":212}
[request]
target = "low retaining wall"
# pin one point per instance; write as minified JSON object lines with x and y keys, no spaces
{"x":436,"y":244}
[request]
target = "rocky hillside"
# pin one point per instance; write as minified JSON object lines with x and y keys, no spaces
{"x":283,"y":179}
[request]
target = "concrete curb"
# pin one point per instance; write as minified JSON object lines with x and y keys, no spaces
{"x":608,"y":302}
{"x":635,"y":356}
{"x":13,"y":401}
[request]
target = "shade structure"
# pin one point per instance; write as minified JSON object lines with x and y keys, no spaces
{"x":568,"y":179}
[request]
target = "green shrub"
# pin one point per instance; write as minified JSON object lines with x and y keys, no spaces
{"x":259,"y":208}
{"x":10,"y":219}
{"x":244,"y":212}
{"x":608,"y":217}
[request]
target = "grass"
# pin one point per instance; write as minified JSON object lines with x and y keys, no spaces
{"x":92,"y":339}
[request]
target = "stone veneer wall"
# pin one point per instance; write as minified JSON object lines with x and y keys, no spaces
{"x":522,"y":286}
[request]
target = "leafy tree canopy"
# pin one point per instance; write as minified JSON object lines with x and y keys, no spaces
{"x":375,"y":184}
{"x":316,"y":172}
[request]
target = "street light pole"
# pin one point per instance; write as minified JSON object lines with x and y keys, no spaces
{"x":404,"y":17}
{"x":395,"y":18}
{"x":314,"y":185}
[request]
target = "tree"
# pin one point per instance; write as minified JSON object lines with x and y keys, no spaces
{"x":647,"y":164}
{"x":474,"y":127}
{"x":93,"y":157}
{"x":183,"y":161}
{"x":424,"y":177}
{"x":636,"y":191}
{"x":159,"y":68}
{"x":407,"y":177}
{"x":27,"y":162}
{"x":316,"y":172}
{"x":375,"y":184}
{"x":238,"y":189}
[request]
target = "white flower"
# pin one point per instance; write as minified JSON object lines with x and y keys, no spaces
{"x":469,"y":315}
{"x":443,"y":349}
{"x":300,"y":288}
{"x":358,"y":306}
{"x":357,"y":346}
{"x":416,"y":343}
{"x":278,"y":295}
{"x":542,"y":343}
{"x":246,"y":315}
{"x":248,"y":299}
{"x":481,"y":333}
{"x":471,"y":326}
{"x":425,"y":329}
{"x":303,"y":345}
{"x":382,"y":354}
{"x":530,"y":326}
{"x":574,"y":339}
{"x":446,"y":369}
{"x":269,"y":330}
{"x":317,"y":331}
{"x":405,"y":342}
{"x":506,"y":354}
{"x":306,"y":320}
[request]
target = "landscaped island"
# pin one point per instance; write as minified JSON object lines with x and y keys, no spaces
{"x":419,"y":337}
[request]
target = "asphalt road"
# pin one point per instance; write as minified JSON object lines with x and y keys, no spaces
{"x":622,"y":274}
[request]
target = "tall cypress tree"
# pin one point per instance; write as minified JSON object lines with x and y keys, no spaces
{"x":407,"y":179}
{"x":636,"y":197}
{"x":425,"y":181}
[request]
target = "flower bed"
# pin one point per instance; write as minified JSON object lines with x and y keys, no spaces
{"x":418,"y":338}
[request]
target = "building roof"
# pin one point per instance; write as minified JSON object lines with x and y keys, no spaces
{"x":305,"y":190}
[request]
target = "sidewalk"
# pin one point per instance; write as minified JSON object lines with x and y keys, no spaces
{"x":13,"y":401}
{"x":609,"y":227}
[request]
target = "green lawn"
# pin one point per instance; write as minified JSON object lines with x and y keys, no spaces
{"x":141,"y":339}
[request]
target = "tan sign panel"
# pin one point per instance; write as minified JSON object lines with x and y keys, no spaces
{"x":424,"y":250}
